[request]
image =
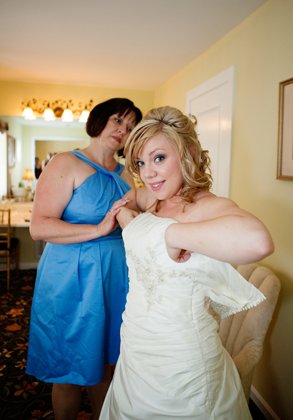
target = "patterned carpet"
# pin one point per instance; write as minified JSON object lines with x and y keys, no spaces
{"x":22,"y":397}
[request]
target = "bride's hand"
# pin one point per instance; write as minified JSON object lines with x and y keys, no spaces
{"x":125,"y":216}
{"x":178,"y":255}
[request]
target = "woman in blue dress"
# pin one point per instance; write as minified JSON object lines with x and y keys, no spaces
{"x":82,"y":278}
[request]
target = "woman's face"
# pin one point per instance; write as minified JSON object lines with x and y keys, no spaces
{"x":159,"y":167}
{"x":117,"y":130}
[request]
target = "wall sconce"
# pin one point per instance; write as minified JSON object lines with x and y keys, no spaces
{"x":50,"y":110}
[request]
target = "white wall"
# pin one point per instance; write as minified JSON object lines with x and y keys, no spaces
{"x":3,"y":164}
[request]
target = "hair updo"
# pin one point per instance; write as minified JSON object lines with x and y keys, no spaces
{"x":180,"y":131}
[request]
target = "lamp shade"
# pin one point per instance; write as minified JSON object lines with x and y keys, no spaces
{"x":84,"y":116}
{"x":28,"y":113}
{"x":49,"y":114}
{"x":28,"y":175}
{"x":67,"y":115}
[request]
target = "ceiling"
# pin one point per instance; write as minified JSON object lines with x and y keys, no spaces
{"x":130,"y":44}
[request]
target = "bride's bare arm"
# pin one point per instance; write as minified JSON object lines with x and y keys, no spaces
{"x":139,"y":199}
{"x":223,"y":232}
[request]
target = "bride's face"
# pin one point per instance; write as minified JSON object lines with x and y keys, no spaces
{"x":159,"y":167}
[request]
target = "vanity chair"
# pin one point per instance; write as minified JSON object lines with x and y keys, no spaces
{"x":9,"y":247}
{"x":243,"y":334}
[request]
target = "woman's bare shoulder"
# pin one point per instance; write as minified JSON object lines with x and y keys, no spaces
{"x":63,"y":160}
{"x":66,"y":168}
{"x":209,"y":206}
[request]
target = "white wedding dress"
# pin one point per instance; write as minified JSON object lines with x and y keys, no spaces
{"x":172,"y":364}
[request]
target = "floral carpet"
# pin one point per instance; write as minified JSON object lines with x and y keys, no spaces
{"x":22,"y":397}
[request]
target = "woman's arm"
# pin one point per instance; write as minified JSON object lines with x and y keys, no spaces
{"x":222,"y":231}
{"x":53,"y":193}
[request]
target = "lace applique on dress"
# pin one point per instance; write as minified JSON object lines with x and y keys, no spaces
{"x":218,"y":309}
{"x":150,"y":274}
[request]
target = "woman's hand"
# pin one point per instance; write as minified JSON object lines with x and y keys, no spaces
{"x":125,"y":216}
{"x":110,"y":223}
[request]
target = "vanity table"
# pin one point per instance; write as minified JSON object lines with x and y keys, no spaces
{"x":30,"y":250}
{"x":20,"y":214}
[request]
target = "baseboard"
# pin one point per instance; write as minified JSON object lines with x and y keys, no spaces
{"x":28,"y":266}
{"x":23,"y":266}
{"x":262,"y":405}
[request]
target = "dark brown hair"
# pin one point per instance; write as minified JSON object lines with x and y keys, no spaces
{"x":100,"y":114}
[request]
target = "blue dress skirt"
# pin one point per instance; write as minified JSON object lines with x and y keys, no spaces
{"x":80,"y":292}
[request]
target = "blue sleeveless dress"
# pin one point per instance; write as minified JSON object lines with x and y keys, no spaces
{"x":80,"y":291}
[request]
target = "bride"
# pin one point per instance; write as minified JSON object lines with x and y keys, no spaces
{"x":180,"y":240}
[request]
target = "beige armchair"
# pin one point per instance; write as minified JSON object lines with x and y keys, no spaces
{"x":243,"y":334}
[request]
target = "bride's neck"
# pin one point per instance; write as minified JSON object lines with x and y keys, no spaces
{"x":169,"y":208}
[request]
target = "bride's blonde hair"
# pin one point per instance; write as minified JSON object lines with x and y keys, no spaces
{"x":180,"y":131}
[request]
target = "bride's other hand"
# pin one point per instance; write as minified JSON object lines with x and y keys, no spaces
{"x":176,"y":254}
{"x":125,"y":216}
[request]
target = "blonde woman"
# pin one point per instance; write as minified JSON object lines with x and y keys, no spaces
{"x":172,"y":363}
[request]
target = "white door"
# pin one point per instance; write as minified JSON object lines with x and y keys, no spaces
{"x":212,"y":104}
{"x":3,"y":164}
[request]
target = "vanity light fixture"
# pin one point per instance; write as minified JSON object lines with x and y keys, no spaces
{"x":50,"y":110}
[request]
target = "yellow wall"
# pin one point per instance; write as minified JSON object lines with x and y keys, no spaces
{"x":261,"y":49}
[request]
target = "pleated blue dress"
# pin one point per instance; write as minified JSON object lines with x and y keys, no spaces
{"x":80,"y":291}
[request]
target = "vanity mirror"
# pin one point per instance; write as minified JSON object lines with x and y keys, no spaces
{"x":37,"y":138}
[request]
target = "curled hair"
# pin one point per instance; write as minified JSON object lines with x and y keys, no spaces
{"x":180,"y":131}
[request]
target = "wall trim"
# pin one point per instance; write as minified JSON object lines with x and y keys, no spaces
{"x":262,"y":405}
{"x":28,"y":266}
{"x":23,"y":266}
